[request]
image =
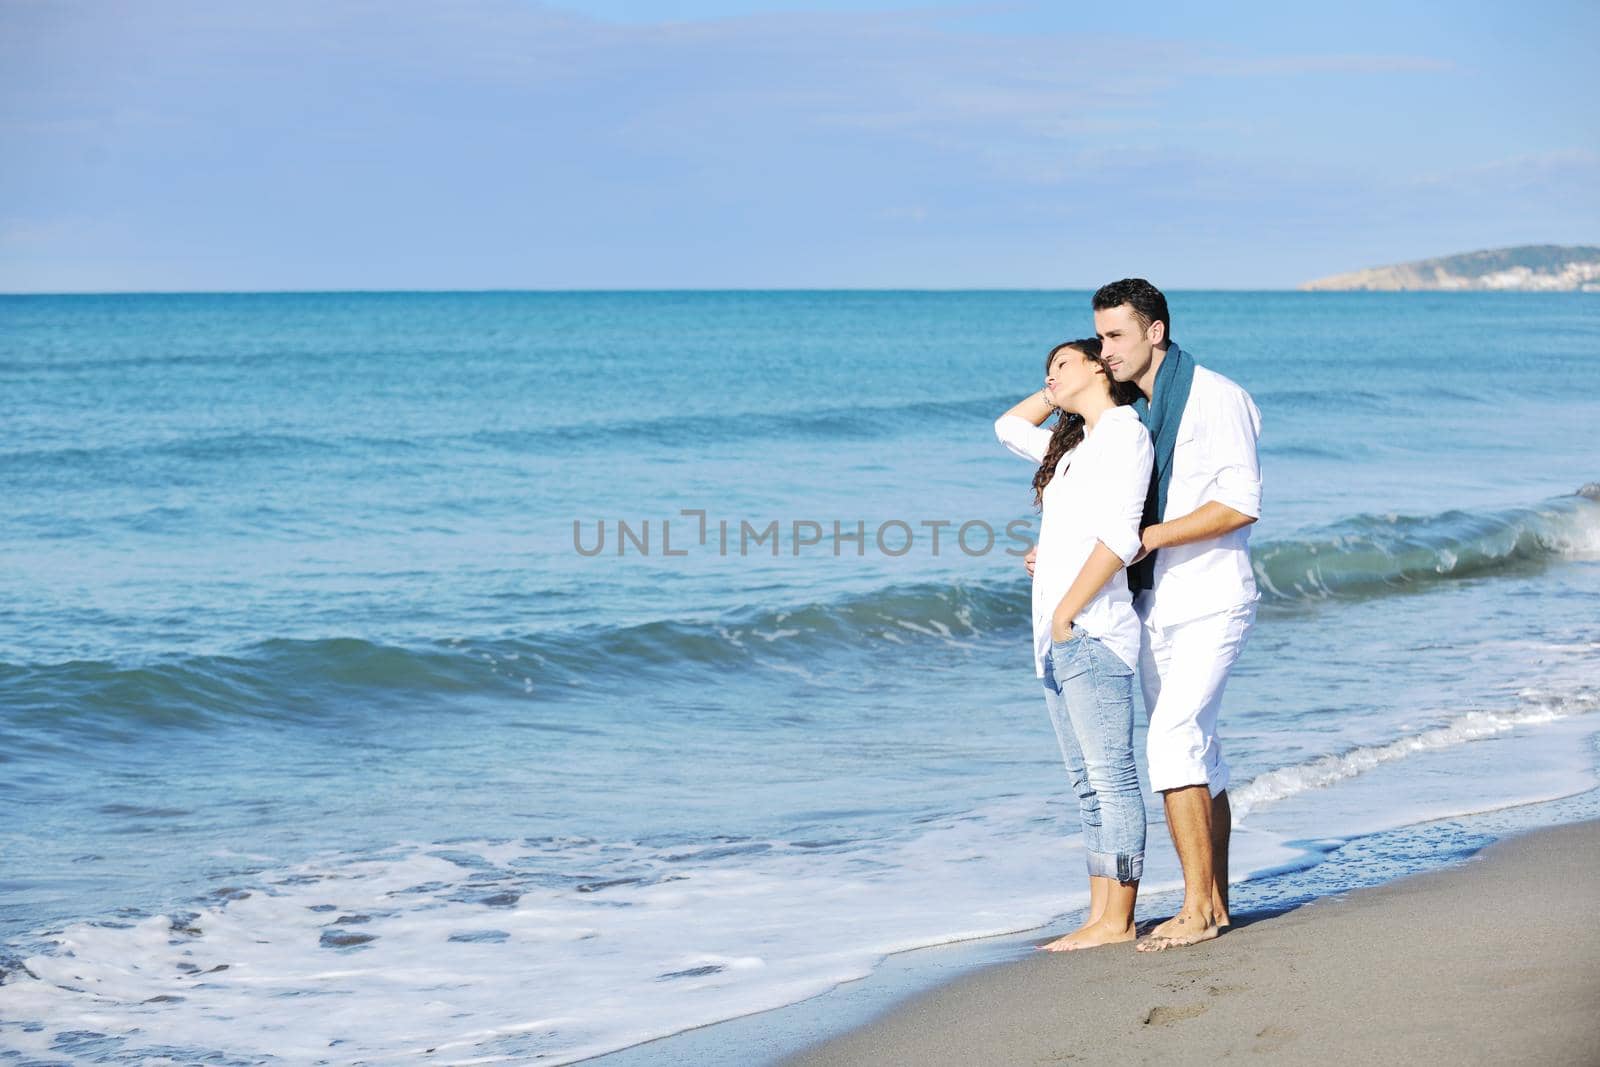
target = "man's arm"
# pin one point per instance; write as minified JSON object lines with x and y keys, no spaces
{"x":1233,"y":427}
{"x":1209,"y":520}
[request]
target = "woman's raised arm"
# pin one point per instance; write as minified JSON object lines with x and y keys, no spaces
{"x":1019,"y":429}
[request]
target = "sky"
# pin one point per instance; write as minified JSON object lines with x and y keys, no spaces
{"x":612,"y":144}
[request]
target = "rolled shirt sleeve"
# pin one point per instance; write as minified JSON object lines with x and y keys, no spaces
{"x":1233,"y":432}
{"x":1023,"y":437}
{"x":1125,"y":480}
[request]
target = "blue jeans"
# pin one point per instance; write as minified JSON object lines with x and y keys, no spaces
{"x":1089,"y":692}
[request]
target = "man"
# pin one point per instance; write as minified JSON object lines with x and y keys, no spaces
{"x":1193,"y":586}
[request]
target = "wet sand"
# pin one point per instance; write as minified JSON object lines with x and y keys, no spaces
{"x":1493,"y":961}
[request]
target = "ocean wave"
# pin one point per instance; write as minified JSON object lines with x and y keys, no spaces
{"x":835,"y":422}
{"x":564,"y":922}
{"x":1341,"y":451}
{"x":1537,"y":707}
{"x":314,"y":679}
{"x":1319,"y":399}
{"x":279,"y":679}
{"x":129,"y":460}
{"x":286,"y":678}
{"x":1370,"y":554}
{"x":194,"y":448}
{"x":825,"y":422}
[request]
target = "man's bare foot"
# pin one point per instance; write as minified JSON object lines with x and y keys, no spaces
{"x":1092,"y":935}
{"x":1184,"y":928}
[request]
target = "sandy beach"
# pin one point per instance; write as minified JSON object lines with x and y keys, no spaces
{"x":1493,"y":961}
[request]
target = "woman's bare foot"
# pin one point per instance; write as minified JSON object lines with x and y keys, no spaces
{"x":1079,"y":932}
{"x":1092,"y":935}
{"x":1184,"y":928}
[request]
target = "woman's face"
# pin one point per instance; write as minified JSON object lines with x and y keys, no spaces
{"x":1070,"y":373}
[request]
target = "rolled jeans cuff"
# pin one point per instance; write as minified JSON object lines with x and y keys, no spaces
{"x":1119,"y":866}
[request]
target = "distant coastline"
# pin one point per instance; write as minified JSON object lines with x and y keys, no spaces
{"x":1527,"y":268}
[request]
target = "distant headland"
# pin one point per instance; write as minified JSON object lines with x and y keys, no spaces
{"x":1545,"y":268}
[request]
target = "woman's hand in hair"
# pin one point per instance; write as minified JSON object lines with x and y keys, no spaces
{"x":1035,"y":407}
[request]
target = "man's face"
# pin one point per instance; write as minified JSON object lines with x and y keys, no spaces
{"x":1126,"y":345}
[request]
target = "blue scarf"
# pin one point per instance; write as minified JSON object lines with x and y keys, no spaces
{"x":1161,"y":415}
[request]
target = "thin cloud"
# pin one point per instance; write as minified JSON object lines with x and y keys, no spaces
{"x":1572,"y":175}
{"x":1278,"y":66}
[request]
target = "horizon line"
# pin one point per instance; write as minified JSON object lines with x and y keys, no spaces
{"x":643,"y":290}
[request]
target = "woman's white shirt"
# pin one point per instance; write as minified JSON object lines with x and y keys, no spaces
{"x":1097,"y":495}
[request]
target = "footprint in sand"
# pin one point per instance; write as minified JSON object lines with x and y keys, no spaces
{"x":1273,"y":1038}
{"x":1162,"y":1014}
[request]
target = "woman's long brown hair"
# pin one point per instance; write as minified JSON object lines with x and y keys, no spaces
{"x":1068,"y":432}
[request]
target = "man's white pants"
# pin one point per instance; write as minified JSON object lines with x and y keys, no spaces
{"x":1183,"y":670}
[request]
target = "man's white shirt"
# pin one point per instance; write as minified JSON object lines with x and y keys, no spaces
{"x":1215,"y":459}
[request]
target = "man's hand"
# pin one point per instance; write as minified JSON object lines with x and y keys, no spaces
{"x":1027,"y":561}
{"x":1147,"y":543}
{"x":1060,"y":627}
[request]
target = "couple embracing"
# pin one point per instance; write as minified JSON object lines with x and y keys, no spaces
{"x":1147,"y":484}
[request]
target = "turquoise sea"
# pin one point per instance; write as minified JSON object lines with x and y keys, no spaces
{"x":326,"y":734}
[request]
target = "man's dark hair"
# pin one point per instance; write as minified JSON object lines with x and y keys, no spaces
{"x":1146,"y":300}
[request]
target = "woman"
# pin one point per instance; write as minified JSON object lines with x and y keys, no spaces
{"x":1094,"y":471}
